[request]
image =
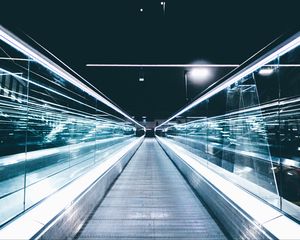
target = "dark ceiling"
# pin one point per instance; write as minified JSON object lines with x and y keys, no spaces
{"x":81,"y":32}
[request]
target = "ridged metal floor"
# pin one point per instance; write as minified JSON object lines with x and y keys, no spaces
{"x":151,"y":200}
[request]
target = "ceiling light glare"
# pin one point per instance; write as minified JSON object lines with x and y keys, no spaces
{"x":200,"y":73}
{"x":266,"y":71}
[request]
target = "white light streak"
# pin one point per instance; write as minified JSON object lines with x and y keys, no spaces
{"x":162,"y":65}
{"x":18,"y":44}
{"x":279,"y":51}
{"x":182,"y":65}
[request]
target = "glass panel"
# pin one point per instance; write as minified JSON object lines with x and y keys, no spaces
{"x":289,"y":132}
{"x":13,"y":125}
{"x":249,"y":132}
{"x":245,"y":140}
{"x":51,"y":131}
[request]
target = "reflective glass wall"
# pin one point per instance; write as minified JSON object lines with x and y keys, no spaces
{"x":248,"y":127}
{"x":51,"y":131}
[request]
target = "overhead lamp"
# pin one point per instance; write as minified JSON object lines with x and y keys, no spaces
{"x":141,"y":9}
{"x":199,"y":73}
{"x":266,"y":71}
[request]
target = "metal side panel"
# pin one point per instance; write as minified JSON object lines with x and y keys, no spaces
{"x":236,"y":223}
{"x":69,"y":222}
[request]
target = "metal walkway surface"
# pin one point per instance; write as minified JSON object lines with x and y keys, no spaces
{"x":151,"y":200}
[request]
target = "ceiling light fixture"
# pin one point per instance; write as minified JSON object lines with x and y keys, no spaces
{"x":266,"y":71}
{"x":199,"y":73}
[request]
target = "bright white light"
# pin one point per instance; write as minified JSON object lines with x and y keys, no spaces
{"x":141,"y":79}
{"x":266,"y":71}
{"x":32,"y":221}
{"x":199,"y":73}
{"x":279,"y":51}
{"x":177,"y":65}
{"x":161,"y":3}
{"x":141,"y":10}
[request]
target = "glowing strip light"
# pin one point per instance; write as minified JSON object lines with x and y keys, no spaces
{"x":251,"y":68}
{"x":21,"y":46}
{"x":182,"y":65}
{"x":161,"y":65}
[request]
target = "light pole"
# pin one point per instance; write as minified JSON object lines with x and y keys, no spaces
{"x":163,"y":3}
{"x":185,"y":76}
{"x":196,"y":75}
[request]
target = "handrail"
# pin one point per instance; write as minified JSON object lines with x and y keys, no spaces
{"x":23,"y":47}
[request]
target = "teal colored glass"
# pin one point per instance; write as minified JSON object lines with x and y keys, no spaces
{"x":51,"y":132}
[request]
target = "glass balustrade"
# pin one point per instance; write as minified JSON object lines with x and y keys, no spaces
{"x":247,"y":126}
{"x":52,"y":130}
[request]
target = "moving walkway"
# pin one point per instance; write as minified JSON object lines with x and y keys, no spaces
{"x":151,"y":199}
{"x":74,"y":165}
